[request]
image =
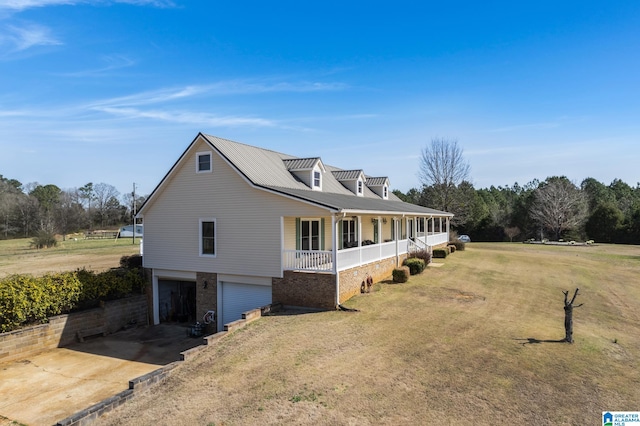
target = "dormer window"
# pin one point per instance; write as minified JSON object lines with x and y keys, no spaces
{"x":379,"y":185}
{"x":306,"y":170}
{"x":203,"y":162}
{"x":359,"y":187}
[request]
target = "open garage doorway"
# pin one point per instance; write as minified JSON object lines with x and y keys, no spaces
{"x":177,"y":301}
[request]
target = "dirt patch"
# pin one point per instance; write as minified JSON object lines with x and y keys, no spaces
{"x":453,"y":294}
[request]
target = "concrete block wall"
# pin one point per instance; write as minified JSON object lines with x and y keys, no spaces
{"x":312,"y":290}
{"x":62,"y":330}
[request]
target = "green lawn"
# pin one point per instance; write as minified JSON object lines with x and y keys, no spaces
{"x":471,"y":342}
{"x":17,"y":256}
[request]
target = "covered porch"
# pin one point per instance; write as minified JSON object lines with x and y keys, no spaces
{"x":336,"y":243}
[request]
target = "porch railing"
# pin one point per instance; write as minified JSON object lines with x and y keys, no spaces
{"x":308,"y":260}
{"x":322,"y":261}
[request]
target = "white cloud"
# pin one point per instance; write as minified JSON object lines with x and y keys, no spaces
{"x":222,"y":88}
{"x":28,"y":4}
{"x":19,"y":5}
{"x":189,"y":117}
{"x":29,"y":35}
{"x":113,"y":62}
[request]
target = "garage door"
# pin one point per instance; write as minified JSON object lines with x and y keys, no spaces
{"x":238,"y":298}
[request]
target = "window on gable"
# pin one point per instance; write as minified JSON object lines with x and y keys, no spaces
{"x":385,"y":192}
{"x":316,"y":179}
{"x":359,"y":187}
{"x":207,"y":237}
{"x":203,"y":162}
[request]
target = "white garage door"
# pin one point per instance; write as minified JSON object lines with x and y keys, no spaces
{"x":238,"y":298}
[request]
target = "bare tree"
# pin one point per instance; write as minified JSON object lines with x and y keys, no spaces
{"x":443,"y":168}
{"x":568,"y":315}
{"x":104,"y":195}
{"x":559,"y":205}
{"x":511,"y":231}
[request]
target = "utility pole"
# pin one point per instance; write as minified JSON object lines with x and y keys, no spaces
{"x":133,"y":215}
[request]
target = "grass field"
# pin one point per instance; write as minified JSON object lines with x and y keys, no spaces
{"x":17,"y":256}
{"x":470,"y":342}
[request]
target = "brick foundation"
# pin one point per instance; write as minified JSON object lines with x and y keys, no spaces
{"x":312,"y":290}
{"x":351,"y":279}
{"x":206,"y":298}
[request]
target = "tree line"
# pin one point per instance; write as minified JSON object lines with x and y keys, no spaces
{"x":553,"y":209}
{"x":26,"y":210}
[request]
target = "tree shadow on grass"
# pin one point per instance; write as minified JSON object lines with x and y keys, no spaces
{"x":533,"y":340}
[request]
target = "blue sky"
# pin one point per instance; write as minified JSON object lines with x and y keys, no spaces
{"x":114,"y":91}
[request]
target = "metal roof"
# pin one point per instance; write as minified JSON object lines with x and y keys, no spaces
{"x":347,"y":174}
{"x":301,"y":163}
{"x":377,"y":181}
{"x":354,"y":204}
{"x":270,"y":170}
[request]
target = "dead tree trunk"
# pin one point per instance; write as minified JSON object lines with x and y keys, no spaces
{"x":568,"y":315}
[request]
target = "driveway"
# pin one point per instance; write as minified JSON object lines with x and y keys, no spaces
{"x":52,"y":385}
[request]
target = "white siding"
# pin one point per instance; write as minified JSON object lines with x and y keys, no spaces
{"x":247,"y":221}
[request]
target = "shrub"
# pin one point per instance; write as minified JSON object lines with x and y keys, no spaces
{"x":459,"y":245}
{"x":109,"y":285}
{"x":422,"y":254}
{"x":401,"y":274}
{"x":25,"y":299}
{"x":440,"y":253}
{"x":415,"y":265}
{"x":44,"y":239}
{"x":452,"y":248}
{"x":131,"y":262}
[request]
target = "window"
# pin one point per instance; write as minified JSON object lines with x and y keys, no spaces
{"x":203,"y":162}
{"x":359,"y":187}
{"x":349,"y":235}
{"x":316,"y":179}
{"x":207,"y":237}
{"x":385,"y":192}
{"x":310,"y":234}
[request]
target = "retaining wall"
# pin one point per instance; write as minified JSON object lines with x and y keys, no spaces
{"x":62,"y":330}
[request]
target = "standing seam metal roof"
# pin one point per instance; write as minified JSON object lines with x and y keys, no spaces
{"x":269,"y":169}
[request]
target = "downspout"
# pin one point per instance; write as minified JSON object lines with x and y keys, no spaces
{"x":334,"y":255}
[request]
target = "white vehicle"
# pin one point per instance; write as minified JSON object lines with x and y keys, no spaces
{"x":464,"y":238}
{"x":127,"y":231}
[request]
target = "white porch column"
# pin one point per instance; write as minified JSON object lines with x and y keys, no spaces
{"x":334,"y":245}
{"x":334,"y":256}
{"x":359,"y":240}
{"x":448,"y":225}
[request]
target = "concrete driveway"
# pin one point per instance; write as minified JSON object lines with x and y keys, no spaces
{"x":50,"y":386}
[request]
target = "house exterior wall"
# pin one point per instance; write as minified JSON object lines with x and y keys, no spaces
{"x":248,"y":224}
{"x":313,"y":290}
{"x":290,"y":232}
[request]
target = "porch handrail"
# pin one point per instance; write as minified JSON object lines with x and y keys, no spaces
{"x":416,"y":245}
{"x":308,"y":260}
